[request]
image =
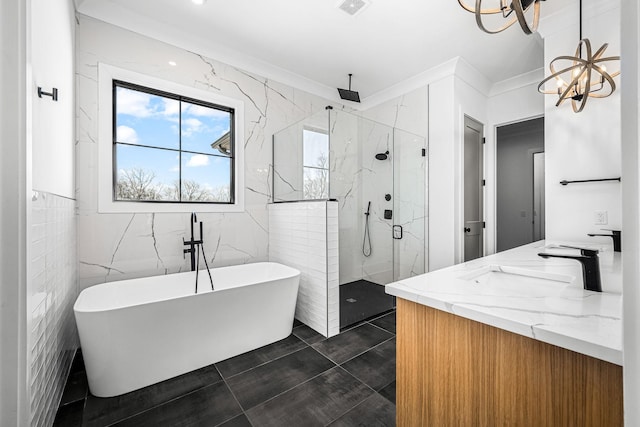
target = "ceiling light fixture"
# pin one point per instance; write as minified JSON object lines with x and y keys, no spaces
{"x":352,"y":7}
{"x":580,"y":78}
{"x":199,"y":2}
{"x":515,"y":10}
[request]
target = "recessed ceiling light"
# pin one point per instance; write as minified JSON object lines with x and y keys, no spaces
{"x":352,"y":7}
{"x":173,"y":63}
{"x":199,"y":2}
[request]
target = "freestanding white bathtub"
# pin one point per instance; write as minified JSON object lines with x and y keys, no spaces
{"x":134,"y":333}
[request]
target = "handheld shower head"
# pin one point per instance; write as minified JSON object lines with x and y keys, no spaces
{"x":382,"y":156}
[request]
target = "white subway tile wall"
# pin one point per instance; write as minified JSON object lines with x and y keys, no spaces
{"x":304,"y":235}
{"x":53,"y":291}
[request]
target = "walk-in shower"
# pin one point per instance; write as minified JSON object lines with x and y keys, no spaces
{"x":377,"y":175}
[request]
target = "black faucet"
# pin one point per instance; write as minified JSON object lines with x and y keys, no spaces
{"x":590,"y":267}
{"x":192,"y":243}
{"x":617,"y":239}
{"x":194,"y":251}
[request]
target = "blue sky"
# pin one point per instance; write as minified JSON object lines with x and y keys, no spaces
{"x":152,"y":120}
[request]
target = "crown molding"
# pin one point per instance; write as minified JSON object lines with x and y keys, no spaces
{"x":412,"y":83}
{"x":517,"y":82}
{"x":469,"y":74}
{"x":119,"y":16}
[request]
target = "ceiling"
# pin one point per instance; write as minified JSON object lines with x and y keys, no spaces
{"x":313,"y":45}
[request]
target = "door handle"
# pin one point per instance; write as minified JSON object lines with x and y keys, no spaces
{"x":397,"y":232}
{"x":467,"y":230}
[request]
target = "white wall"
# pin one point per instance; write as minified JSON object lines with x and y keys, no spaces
{"x":585,"y":145}
{"x":52,"y":60}
{"x":450,"y":100}
{"x":304,"y":235}
{"x":442,"y":178}
{"x":631,"y":208}
{"x":117,"y":246}
{"x":38,"y":337}
{"x":14,"y":185}
{"x":52,"y":293}
{"x":407,"y":112}
{"x":51,"y":234}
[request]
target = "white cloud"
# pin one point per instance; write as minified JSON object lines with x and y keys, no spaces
{"x":171,"y":107}
{"x":134,"y":103}
{"x":200,"y":111}
{"x":198,"y":160}
{"x":175,"y":168}
{"x":126,"y":134}
{"x":189,"y":126}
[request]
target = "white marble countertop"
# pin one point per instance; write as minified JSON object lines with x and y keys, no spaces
{"x":518,"y":291}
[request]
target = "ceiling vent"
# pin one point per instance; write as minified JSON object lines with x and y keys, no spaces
{"x":352,"y":7}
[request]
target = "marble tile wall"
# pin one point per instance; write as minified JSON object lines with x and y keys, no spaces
{"x":53,"y":291}
{"x":410,"y":206}
{"x":118,"y":246}
{"x":304,"y":235}
{"x":358,"y":178}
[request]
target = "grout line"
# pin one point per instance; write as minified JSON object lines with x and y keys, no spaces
{"x":382,"y":329}
{"x":367,"y":350}
{"x":264,"y":363}
{"x":168,"y":401}
{"x":381,"y":315}
{"x":303,"y":382}
{"x":357,"y":404}
{"x":307,"y":342}
{"x":367,"y":320}
{"x":243,"y":412}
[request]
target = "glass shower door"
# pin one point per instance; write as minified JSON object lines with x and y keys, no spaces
{"x":409,"y":188}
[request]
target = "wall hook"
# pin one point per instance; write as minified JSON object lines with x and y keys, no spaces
{"x":53,"y":94}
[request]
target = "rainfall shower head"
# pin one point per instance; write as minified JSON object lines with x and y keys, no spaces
{"x":348,"y":94}
{"x":382,"y":156}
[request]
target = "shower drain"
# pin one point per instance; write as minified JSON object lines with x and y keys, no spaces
{"x":351,"y":300}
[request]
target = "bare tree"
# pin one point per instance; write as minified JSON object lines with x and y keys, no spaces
{"x":137,"y":184}
{"x":221,"y":194}
{"x":316,"y":186}
{"x":193,"y":191}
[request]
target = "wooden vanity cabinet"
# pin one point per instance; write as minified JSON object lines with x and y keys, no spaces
{"x":453,"y":371}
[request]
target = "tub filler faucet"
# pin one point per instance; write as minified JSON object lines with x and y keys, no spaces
{"x":194,"y":247}
{"x":590,"y":262}
{"x":192,"y":243}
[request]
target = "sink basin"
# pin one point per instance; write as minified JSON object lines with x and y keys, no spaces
{"x":501,"y":275}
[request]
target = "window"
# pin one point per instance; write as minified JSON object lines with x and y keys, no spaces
{"x":315,"y":164}
{"x":170,"y":148}
{"x":164,"y":146}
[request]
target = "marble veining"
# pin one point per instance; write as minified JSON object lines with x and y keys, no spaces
{"x":121,"y":246}
{"x":550,"y":305}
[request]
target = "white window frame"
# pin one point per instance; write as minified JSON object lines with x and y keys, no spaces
{"x":106,"y":75}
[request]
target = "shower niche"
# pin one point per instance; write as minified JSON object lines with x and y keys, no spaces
{"x":377,"y":176}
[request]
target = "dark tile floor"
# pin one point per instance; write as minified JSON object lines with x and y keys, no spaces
{"x":361,"y":300}
{"x":303,"y":380}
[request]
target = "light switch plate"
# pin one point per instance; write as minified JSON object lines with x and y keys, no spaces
{"x":600,"y":218}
